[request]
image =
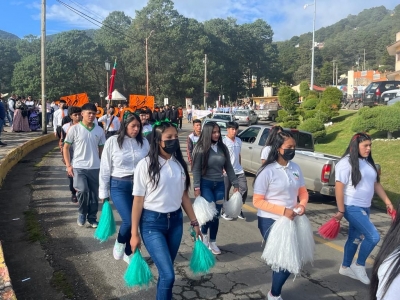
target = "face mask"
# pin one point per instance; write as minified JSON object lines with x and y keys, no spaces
{"x":288,"y":154}
{"x":171,"y":146}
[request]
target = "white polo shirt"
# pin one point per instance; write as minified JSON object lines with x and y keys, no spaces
{"x":86,"y":144}
{"x":234,"y":148}
{"x":265,"y":152}
{"x":361,"y":195}
{"x":279,"y":185}
{"x":167,"y":195}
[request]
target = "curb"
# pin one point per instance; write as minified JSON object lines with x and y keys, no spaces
{"x":9,"y":161}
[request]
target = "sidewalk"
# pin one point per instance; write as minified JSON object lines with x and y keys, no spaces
{"x":18,"y":146}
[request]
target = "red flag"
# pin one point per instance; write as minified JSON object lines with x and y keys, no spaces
{"x":112,"y":79}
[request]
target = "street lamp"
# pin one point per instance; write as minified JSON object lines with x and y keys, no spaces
{"x":313,"y":43}
{"x":147,"y":64}
{"x":101,"y":94}
{"x":108,"y":67}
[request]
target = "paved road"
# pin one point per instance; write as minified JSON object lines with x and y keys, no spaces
{"x":93,"y":273}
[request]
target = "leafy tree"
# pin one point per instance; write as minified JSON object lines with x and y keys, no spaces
{"x":310,"y":103}
{"x":304,"y":89}
{"x":288,"y":99}
{"x":8,"y":59}
{"x":315,"y":126}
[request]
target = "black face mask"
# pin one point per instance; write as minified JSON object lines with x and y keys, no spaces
{"x":288,"y":154}
{"x":171,"y":146}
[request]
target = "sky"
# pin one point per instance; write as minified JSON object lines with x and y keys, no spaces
{"x":286,"y":17}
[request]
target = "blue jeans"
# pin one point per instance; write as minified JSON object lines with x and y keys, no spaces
{"x":121,"y":195}
{"x":359,"y":224}
{"x":212,"y":191}
{"x":161,"y":235}
{"x":10,"y":117}
{"x":278,"y":278}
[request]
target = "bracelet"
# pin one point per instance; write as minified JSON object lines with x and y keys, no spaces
{"x":194,"y":223}
{"x":342,"y":212}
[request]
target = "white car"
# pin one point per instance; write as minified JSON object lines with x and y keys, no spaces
{"x":224,"y":116}
{"x":389,"y":95}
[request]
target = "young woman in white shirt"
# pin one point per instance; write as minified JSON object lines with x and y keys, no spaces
{"x":277,"y":185}
{"x":357,"y":180}
{"x":385,"y":279}
{"x":271,"y":137}
{"x":121,"y":154}
{"x":160,"y":189}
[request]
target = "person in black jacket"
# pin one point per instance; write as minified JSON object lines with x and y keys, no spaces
{"x":167,"y":110}
{"x":161,"y":114}
{"x":174,"y":115}
{"x":155,"y":114}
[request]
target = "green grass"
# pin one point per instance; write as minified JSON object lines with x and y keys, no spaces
{"x":33,"y":227}
{"x":384,"y":153}
{"x":61,"y":283}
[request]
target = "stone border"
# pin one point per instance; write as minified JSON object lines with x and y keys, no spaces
{"x":9,"y":161}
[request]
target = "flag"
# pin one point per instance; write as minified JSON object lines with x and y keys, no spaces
{"x":112,"y":80}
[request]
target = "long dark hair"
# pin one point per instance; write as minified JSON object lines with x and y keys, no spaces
{"x":353,"y":152}
{"x":272,"y":134}
{"x":273,"y":155}
{"x":391,"y":244}
{"x":203,"y":145}
{"x":154,"y":166}
{"x":122,"y":130}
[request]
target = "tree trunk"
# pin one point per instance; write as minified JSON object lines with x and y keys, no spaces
{"x":389,"y":135}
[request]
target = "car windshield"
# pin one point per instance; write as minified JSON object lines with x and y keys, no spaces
{"x":241,"y":113}
{"x":222,"y":117}
{"x":222,"y":125}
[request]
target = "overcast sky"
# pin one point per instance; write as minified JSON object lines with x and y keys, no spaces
{"x":286,"y":17}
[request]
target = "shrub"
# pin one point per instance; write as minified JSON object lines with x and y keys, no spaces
{"x":304,"y":89}
{"x":288,"y":98}
{"x":308,"y":114}
{"x":310,"y":103}
{"x":312,"y":94}
{"x":315,"y":126}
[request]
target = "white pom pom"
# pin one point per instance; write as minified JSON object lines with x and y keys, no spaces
{"x":305,"y":239}
{"x":233,"y":207}
{"x":205,"y":211}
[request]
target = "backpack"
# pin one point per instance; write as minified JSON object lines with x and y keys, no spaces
{"x":34,"y":121}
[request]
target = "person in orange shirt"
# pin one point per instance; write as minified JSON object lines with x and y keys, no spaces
{"x":180,"y":117}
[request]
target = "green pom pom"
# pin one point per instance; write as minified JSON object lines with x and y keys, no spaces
{"x":106,"y":227}
{"x":202,"y":259}
{"x":138,"y":273}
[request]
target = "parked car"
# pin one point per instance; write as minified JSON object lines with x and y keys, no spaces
{"x":373,"y":92}
{"x":245,"y":117}
{"x":224,"y":116}
{"x":221,"y":123}
{"x":393,"y":101}
{"x":269,"y":112}
{"x":389,"y":95}
{"x":318,"y":168}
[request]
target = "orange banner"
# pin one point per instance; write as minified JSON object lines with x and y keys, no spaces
{"x":140,"y":101}
{"x":76,"y":100}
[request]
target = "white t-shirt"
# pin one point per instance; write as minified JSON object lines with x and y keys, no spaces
{"x":86,"y":144}
{"x":234,"y":148}
{"x":167,"y":195}
{"x":279,"y":185}
{"x":146,"y":129}
{"x":361,"y":195}
{"x":117,"y":162}
{"x":114,"y":126}
{"x":384,"y":270}
{"x":58,"y":116}
{"x":265,"y":152}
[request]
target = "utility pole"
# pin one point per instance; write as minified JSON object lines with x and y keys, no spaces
{"x":364,"y":61}
{"x":313,"y":47}
{"x":43,"y":68}
{"x":205,"y":81}
{"x":147,"y":64}
{"x":337,"y":67}
{"x":333,"y":73}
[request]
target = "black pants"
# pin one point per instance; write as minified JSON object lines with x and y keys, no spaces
{"x":180,"y":123}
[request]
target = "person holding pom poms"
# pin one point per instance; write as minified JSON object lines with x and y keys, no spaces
{"x":278,"y":183}
{"x":160,"y":189}
{"x":357,"y":180}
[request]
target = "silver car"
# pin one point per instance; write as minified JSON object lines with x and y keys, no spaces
{"x":221,"y":123}
{"x":245,"y":117}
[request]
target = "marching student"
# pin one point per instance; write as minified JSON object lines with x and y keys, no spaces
{"x":119,"y":159}
{"x":75,"y":113}
{"x":356,"y":182}
{"x":58,"y":116}
{"x":146,"y":127}
{"x":210,"y":159}
{"x":277,"y":185}
{"x":234,"y":145}
{"x":111,"y":122}
{"x":160,"y":189}
{"x":270,"y":139}
{"x":192,"y":139}
{"x":88,"y":140}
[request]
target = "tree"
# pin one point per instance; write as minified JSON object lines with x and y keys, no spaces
{"x":304,"y":89}
{"x":8,"y":59}
{"x":288,"y":99}
{"x":315,"y":126}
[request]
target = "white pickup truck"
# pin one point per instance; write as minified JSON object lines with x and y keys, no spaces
{"x":318,"y":168}
{"x":269,"y":112}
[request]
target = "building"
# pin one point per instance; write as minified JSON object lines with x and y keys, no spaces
{"x":394,"y":50}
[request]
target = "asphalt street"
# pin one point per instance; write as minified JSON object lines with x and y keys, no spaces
{"x":92,"y":273}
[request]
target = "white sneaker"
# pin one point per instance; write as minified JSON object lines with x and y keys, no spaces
{"x":127,"y":258}
{"x":205,"y":240}
{"x":119,"y":250}
{"x":360,"y":273}
{"x":226,"y":217}
{"x":214,"y":248}
{"x":270,"y":297}
{"x":347,"y":272}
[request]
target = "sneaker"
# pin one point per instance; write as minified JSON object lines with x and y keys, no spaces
{"x":2,"y":144}
{"x":93,"y":224}
{"x":205,"y":240}
{"x":241,"y":216}
{"x":226,"y":217}
{"x":360,"y":273}
{"x":270,"y":297}
{"x":74,"y":199}
{"x":119,"y":250}
{"x":81,"y":220}
{"x":127,"y":258}
{"x":347,"y":272}
{"x":214,"y":248}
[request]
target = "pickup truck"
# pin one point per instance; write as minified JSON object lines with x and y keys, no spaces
{"x":269,"y":112}
{"x":318,"y":168}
